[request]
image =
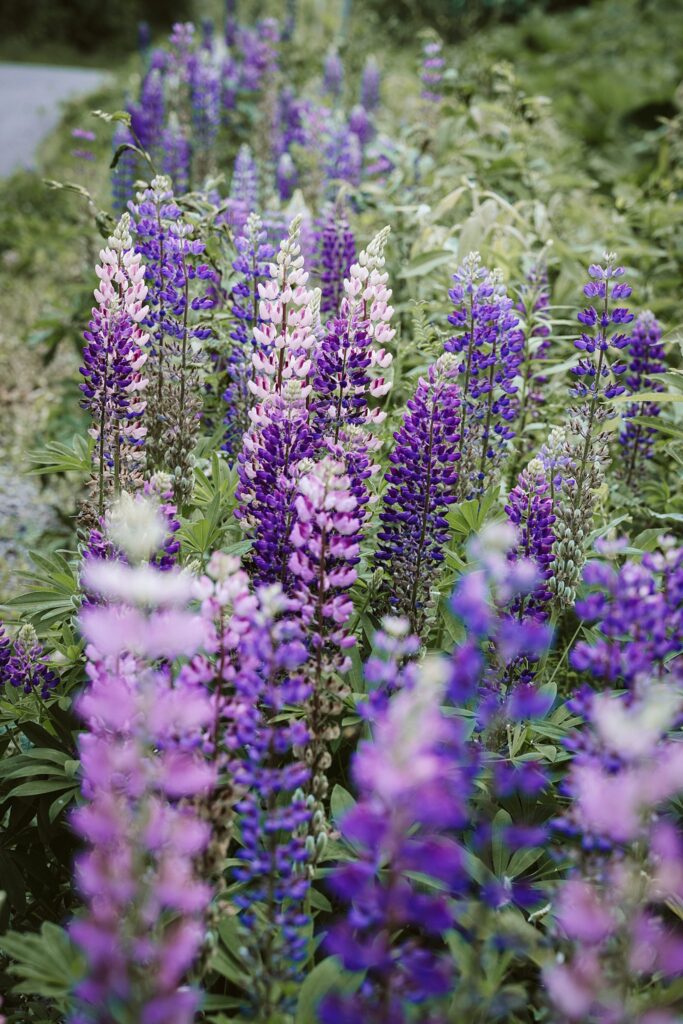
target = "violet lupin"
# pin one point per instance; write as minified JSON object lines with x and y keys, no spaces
{"x":596,"y":376}
{"x":326,"y":549}
{"x":142,"y":762}
{"x":278,"y":439}
{"x":252,"y":264}
{"x":205,"y":85}
{"x":113,"y":358}
{"x":370,"y":84}
{"x":637,"y":612}
{"x":126,"y":170}
{"x":333,"y":74}
{"x":273,"y":813}
{"x":422,"y":485}
{"x":176,"y":155}
{"x":243,"y":198}
{"x":533,"y":305}
{"x":336,"y":251}
{"x":530,"y":510}
{"x":23,"y":663}
{"x":646,"y":361}
{"x":414,"y":779}
{"x":489,"y":344}
{"x":179,"y":294}
{"x":432,"y":71}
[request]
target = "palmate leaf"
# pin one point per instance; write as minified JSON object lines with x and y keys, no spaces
{"x":56,"y":457}
{"x":53,"y":590}
{"x":46,"y":963}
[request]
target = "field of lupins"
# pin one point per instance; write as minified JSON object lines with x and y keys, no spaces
{"x":352,"y":693}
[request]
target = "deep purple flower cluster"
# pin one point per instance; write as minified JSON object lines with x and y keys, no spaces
{"x":606,"y":324}
{"x":273,"y":813}
{"x":530,"y":510}
{"x":646,"y":360}
{"x":489,"y":344}
{"x":267,"y":487}
{"x":422,"y":484}
{"x":335,"y":252}
{"x":637,"y":613}
{"x":23,"y":663}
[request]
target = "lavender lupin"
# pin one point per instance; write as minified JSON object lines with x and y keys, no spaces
{"x":336,"y":251}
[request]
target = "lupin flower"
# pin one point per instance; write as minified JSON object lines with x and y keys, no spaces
{"x":414,"y":780}
{"x":178,"y":296}
{"x":147,"y":116}
{"x":493,"y":666}
{"x":611,"y":910}
{"x":489,"y":344}
{"x":342,"y":157}
{"x":286,"y":177}
{"x":335,"y":253}
{"x":176,"y":155}
{"x":422,"y":484}
{"x":243,"y":198}
{"x":391,"y":666}
{"x":604,"y":324}
{"x":113,"y":358}
{"x":142,"y":762}
{"x":126,"y":170}
{"x":259,"y":54}
{"x":23,"y":663}
{"x":278,"y":439}
{"x":432,"y":71}
{"x":533,"y":306}
{"x":530,"y":510}
{"x":274,"y":814}
{"x":252,"y":264}
{"x":285,"y":338}
{"x":370,"y":84}
{"x":326,"y":549}
{"x":646,"y":360}
{"x":333,"y":73}
{"x":637,"y":613}
{"x":205,"y":86}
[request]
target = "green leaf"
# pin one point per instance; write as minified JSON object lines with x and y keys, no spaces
{"x":56,"y":457}
{"x":46,"y":962}
{"x":423,"y":264}
{"x":325,"y":976}
{"x":341,"y":801}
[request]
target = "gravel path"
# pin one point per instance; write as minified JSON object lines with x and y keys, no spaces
{"x":30,"y":99}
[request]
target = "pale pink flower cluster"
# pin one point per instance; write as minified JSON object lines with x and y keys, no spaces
{"x":286,"y":337}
